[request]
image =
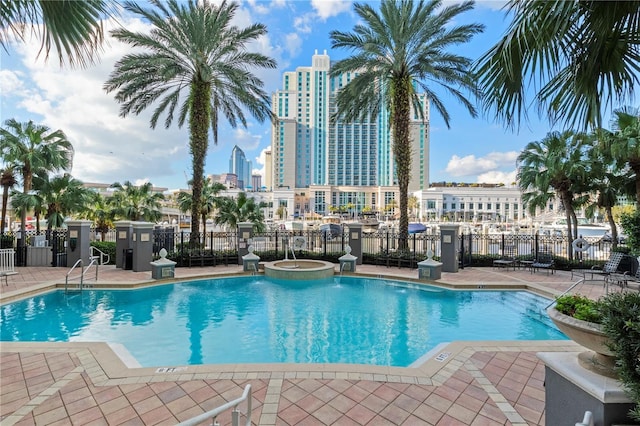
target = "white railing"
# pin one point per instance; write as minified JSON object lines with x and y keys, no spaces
{"x":7,"y":266}
{"x":103,"y":258}
{"x":587,"y":420}
{"x":235,"y":414}
{"x":7,"y":257}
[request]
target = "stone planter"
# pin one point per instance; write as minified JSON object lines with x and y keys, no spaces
{"x":599,"y":358}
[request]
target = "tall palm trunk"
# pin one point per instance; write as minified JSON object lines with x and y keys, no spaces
{"x":199,"y":122}
{"x":401,"y":116}
{"x":612,"y":225}
{"x":635,"y":166}
{"x":567,"y":200}
{"x":5,"y":199}
{"x":22,"y":242}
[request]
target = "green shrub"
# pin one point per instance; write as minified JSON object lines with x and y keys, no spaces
{"x":631,"y":225}
{"x":621,"y":322}
{"x":579,"y":307}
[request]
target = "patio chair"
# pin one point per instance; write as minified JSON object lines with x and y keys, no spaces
{"x":610,"y":267}
{"x":544,"y":260}
{"x":508,"y":258}
{"x":625,"y":278}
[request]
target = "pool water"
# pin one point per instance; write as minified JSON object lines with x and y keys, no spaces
{"x":262,"y":320}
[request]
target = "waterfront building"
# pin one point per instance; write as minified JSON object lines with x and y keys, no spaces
{"x":311,"y":153}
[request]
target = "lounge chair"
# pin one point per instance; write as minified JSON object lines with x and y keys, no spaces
{"x":610,"y":267}
{"x":508,"y":258}
{"x":624,"y":279}
{"x":544,"y":260}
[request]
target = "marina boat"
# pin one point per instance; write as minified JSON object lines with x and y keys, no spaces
{"x":592,"y":231}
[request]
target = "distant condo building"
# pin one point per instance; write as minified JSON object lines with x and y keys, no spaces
{"x":241,"y":167}
{"x":336,"y":162}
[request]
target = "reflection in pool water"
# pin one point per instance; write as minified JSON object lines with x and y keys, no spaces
{"x":260,"y":320}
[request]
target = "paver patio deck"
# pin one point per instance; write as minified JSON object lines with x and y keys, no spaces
{"x":463,"y":383}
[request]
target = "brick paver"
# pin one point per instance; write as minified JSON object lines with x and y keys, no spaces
{"x":46,"y":384}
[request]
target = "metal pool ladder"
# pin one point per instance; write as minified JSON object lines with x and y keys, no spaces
{"x":79,"y":286}
{"x":235,"y":414}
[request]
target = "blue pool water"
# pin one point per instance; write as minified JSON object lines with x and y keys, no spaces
{"x":258,"y":320}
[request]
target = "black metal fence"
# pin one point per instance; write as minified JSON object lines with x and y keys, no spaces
{"x":381,"y":248}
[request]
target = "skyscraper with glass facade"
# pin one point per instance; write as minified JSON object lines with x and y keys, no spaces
{"x":309,"y":150}
{"x":240,"y":166}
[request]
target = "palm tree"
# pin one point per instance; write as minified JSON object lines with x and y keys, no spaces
{"x":136,"y":203}
{"x":581,"y":56}
{"x":623,"y":142}
{"x":73,"y":28}
{"x":395,"y":53}
{"x":30,"y":202}
{"x":61,"y":196}
{"x":555,"y":163}
{"x":98,"y":210}
{"x":33,"y":148}
{"x":7,"y":181}
{"x":193,"y":51}
{"x":210,"y":200}
{"x":232,"y":211}
{"x":605,"y":184}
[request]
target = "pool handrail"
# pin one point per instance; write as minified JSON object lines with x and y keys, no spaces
{"x":580,"y":281}
{"x":235,"y":415}
{"x":82,"y":272}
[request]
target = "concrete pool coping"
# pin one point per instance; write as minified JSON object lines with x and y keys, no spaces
{"x":118,"y":364}
{"x":436,"y":373}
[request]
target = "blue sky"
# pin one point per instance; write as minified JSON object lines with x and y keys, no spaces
{"x":112,"y":149}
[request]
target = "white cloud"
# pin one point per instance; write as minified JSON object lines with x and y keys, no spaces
{"x":293,"y":44}
{"x":260,"y":160}
{"x":471,"y":165}
{"x":108,"y":147}
{"x":11,"y":82}
{"x":496,"y":176}
{"x":264,"y":8}
{"x":328,"y":8}
{"x":259,"y":7}
{"x":304,"y":23}
{"x":491,"y":4}
{"x":245,"y":139}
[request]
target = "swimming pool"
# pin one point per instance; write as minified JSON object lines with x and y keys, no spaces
{"x":253,"y":319}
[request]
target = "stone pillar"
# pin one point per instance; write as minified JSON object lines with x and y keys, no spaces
{"x":79,"y":243}
{"x":429,"y":269}
{"x":163,"y":267}
{"x":571,"y":389}
{"x":348,"y":261}
{"x":250,"y":261}
{"x":142,"y":245}
{"x":123,"y":242}
{"x":355,"y":241}
{"x":245,"y":233}
{"x":449,"y":247}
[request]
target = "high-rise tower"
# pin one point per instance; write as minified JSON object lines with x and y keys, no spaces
{"x":309,"y":149}
{"x":240,"y":166}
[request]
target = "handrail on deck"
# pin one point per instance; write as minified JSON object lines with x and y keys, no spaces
{"x":104,"y":257}
{"x":235,"y":415}
{"x":580,"y":281}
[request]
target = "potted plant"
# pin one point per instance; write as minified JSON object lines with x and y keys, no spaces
{"x":610,"y":327}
